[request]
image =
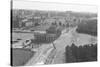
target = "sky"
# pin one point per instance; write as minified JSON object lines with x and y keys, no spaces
{"x":34,"y":5}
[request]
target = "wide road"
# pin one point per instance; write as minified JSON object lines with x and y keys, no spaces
{"x":48,"y":55}
{"x":67,"y":39}
{"x":41,"y":55}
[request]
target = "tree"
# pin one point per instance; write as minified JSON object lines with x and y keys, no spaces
{"x":60,"y":23}
{"x":36,"y":24}
{"x":88,"y":52}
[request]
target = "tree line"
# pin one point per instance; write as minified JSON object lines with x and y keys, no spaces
{"x":84,"y":53}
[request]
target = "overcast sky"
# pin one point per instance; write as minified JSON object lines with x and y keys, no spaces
{"x":53,"y":6}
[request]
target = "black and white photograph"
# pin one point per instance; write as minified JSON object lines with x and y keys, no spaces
{"x":44,"y":33}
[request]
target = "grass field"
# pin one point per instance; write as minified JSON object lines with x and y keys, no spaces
{"x":21,"y":56}
{"x":22,"y":36}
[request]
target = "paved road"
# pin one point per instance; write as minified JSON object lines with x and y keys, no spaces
{"x":48,"y":55}
{"x":41,"y":55}
{"x":68,"y":39}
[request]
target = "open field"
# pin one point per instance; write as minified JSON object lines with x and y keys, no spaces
{"x":22,"y":36}
{"x":21,"y":56}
